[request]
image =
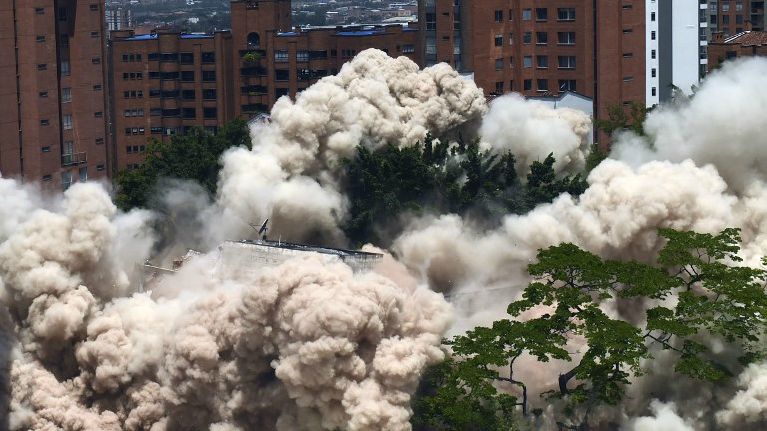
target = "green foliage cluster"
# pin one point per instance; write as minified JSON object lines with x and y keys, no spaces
{"x":619,"y":118}
{"x":194,"y":156}
{"x":442,"y":178}
{"x":698,"y":273}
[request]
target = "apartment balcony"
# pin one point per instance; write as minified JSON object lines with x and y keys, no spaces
{"x":74,"y":159}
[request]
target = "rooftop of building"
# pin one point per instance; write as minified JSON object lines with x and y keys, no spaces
{"x":340,"y":252}
{"x":131,"y":36}
{"x":352,"y":30}
{"x":746,"y":38}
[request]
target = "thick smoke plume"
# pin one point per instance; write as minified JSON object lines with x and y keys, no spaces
{"x":292,"y":173}
{"x":532,"y":131}
{"x":309,"y":344}
{"x":700,"y":168}
{"x":304,"y":345}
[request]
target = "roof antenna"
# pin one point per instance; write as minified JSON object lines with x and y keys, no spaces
{"x":262,"y":231}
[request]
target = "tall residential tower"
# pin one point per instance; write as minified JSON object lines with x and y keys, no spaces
{"x":52,"y":115}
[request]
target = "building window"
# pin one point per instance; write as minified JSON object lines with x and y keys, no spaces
{"x":66,"y":95}
{"x":281,"y":75}
{"x":654,"y":91}
{"x":98,"y":114}
{"x":100,"y":168}
{"x":498,"y":40}
{"x":64,"y":68}
{"x":94,"y":34}
{"x":83,"y":171}
{"x":99,"y":141}
{"x":42,"y":66}
{"x":541,"y":14}
{"x":652,"y":35}
{"x":44,"y":122}
{"x":499,"y":87}
{"x":208,"y":75}
{"x":66,"y":180}
{"x":96,"y":60}
{"x":40,"y":39}
{"x":566,"y":61}
{"x":499,"y":16}
{"x":541,"y":38}
{"x":498,"y":64}
{"x":189,"y":113}
{"x":628,"y":55}
{"x":527,"y":84}
{"x":566,"y":38}
{"x":652,"y":16}
{"x":543,"y":85}
{"x":527,"y":14}
{"x":94,"y":7}
{"x":527,"y":61}
{"x":542,"y":61}
{"x":566,"y":14}
{"x":187,"y":75}
{"x":567,"y":85}
{"x":209,"y":94}
{"x":40,"y":11}
{"x":281,"y":55}
{"x":43,"y":94}
{"x":254,"y":40}
{"x":66,"y":121}
{"x":653,"y":54}
{"x":209,"y":113}
{"x":628,"y":78}
{"x":408,"y":49}
{"x":186,"y":58}
{"x":97,"y":87}
{"x":527,"y":37}
{"x":654,"y":72}
{"x":188,"y":94}
{"x":47,"y":177}
{"x":302,"y":56}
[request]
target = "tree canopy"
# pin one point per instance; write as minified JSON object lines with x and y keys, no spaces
{"x":443,"y":178}
{"x":193,"y":156}
{"x":695,"y":290}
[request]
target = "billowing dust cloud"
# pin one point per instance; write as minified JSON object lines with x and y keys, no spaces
{"x":700,"y":168}
{"x":304,"y":345}
{"x":309,"y":344}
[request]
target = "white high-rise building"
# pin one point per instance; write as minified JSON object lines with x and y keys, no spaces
{"x":676,"y":41}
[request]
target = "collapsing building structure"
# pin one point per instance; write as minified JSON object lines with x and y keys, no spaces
{"x":252,"y":255}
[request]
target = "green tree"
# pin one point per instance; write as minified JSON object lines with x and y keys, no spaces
{"x":442,"y":177}
{"x":194,"y":156}
{"x":713,"y":297}
{"x":619,"y":118}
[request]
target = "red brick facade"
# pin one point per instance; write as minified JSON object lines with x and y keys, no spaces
{"x":52,"y":115}
{"x":165,"y":83}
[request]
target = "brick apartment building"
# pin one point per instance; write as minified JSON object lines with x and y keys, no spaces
{"x":612,"y":52}
{"x":731,"y":17}
{"x":164,"y":83}
{"x":52,"y":100}
{"x":745,"y":44}
{"x":274,"y":59}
